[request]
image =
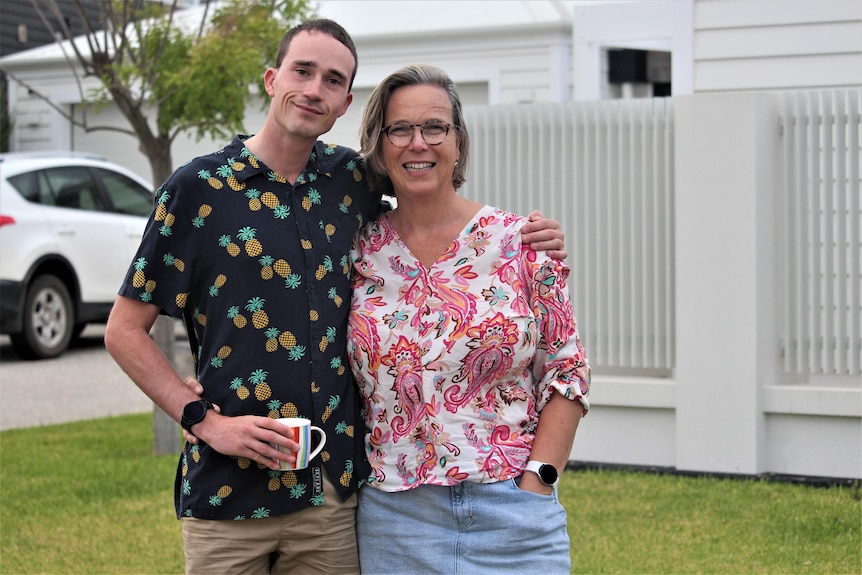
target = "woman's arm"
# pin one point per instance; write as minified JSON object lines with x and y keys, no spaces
{"x":555,"y":435}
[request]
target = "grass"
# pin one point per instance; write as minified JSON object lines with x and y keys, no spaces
{"x":89,"y":497}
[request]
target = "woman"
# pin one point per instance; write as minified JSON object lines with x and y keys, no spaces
{"x":465,"y":349}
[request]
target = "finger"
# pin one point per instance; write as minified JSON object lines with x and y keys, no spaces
{"x":193,"y":384}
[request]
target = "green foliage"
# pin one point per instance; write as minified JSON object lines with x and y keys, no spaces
{"x":203,"y":82}
{"x":90,"y":497}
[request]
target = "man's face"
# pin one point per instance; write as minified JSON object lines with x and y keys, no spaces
{"x":309,"y":90}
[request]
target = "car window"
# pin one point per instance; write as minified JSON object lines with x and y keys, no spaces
{"x":125,"y":194}
{"x":65,"y":187}
{"x":33,"y":187}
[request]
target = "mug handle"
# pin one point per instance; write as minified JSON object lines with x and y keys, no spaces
{"x":320,"y":445}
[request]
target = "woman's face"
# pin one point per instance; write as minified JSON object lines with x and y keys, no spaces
{"x":420,"y":169}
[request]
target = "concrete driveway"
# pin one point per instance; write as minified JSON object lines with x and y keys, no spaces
{"x":83,"y":383}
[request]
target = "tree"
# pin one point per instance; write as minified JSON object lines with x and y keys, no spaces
{"x":169,"y":71}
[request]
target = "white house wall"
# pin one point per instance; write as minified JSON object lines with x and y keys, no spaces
{"x":767,"y":45}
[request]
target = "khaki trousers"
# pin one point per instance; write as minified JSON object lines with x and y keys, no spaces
{"x":316,"y":540}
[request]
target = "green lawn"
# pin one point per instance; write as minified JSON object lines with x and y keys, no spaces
{"x":90,"y":498}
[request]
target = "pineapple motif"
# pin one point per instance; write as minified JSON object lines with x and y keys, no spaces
{"x":262,"y":391}
{"x":224,"y":352}
{"x":274,"y":481}
{"x":241,"y":390}
{"x":274,"y":177}
{"x":252,"y":245}
{"x":243,"y":462}
{"x":333,"y":295}
{"x":238,"y":319}
{"x":351,"y":165}
{"x":288,"y":478}
{"x":328,"y":229}
{"x":270,"y":200}
{"x":253,"y":199}
{"x":289,"y":410}
{"x":227,"y":243}
{"x":217,"y":284}
{"x":200,"y":318}
{"x":327,"y":339}
{"x":265,"y":267}
{"x":274,"y":405}
{"x":138,"y":279}
{"x":214,"y":182}
{"x":249,"y":157}
{"x":171,"y":261}
{"x":281,"y":267}
{"x":236,"y":165}
{"x":306,"y":244}
{"x":161,"y":212}
{"x":323,"y":268}
{"x":332,"y":405}
{"x":287,"y":339}
{"x":324,"y":456}
{"x":313,"y":315}
{"x":271,"y":339}
{"x":306,"y":203}
{"x":348,"y":473}
{"x":150,"y":285}
{"x":258,"y":317}
{"x":205,"y":210}
{"x":345,"y":266}
{"x":182,"y":299}
{"x":226,"y":172}
{"x":224,"y":491}
{"x":196,"y":453}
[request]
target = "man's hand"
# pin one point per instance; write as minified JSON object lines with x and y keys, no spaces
{"x":244,"y":436}
{"x":544,"y":234}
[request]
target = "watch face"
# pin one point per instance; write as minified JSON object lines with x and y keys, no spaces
{"x":195,"y":411}
{"x":548,"y":474}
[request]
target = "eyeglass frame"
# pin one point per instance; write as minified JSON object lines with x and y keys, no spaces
{"x":421,"y":127}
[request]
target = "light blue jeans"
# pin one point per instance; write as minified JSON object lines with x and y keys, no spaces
{"x":469,"y":529}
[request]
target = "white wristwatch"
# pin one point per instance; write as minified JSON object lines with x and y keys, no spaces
{"x":547,"y":473}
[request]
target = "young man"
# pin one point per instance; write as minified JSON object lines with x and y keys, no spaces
{"x":249,"y":247}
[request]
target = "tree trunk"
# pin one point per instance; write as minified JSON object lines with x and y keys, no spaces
{"x":166,"y":433}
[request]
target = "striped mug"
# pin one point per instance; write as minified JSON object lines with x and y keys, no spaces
{"x":302,"y":429}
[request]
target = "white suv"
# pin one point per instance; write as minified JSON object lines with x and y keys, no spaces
{"x":70,"y":224}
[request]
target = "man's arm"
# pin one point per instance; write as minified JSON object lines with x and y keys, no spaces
{"x":127,"y":340}
{"x":544,"y":234}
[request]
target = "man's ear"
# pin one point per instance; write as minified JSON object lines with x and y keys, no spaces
{"x":269,"y":81}
{"x":347,"y":103}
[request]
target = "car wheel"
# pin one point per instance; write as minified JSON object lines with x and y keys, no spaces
{"x":48,"y":320}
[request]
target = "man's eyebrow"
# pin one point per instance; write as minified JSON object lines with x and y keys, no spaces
{"x":314,"y":64}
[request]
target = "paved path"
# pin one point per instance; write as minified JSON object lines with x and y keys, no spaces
{"x":83,"y":383}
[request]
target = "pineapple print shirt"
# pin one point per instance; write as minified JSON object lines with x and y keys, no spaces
{"x":258,"y":270}
{"x":455,"y":362}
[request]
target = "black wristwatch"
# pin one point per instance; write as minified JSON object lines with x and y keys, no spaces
{"x":547,"y":473}
{"x":194,"y":412}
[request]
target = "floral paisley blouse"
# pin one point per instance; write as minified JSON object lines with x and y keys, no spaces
{"x":455,"y":362}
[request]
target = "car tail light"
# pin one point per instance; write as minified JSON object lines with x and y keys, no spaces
{"x":4,"y":219}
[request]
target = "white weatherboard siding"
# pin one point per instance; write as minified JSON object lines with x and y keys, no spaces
{"x":769,"y":45}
